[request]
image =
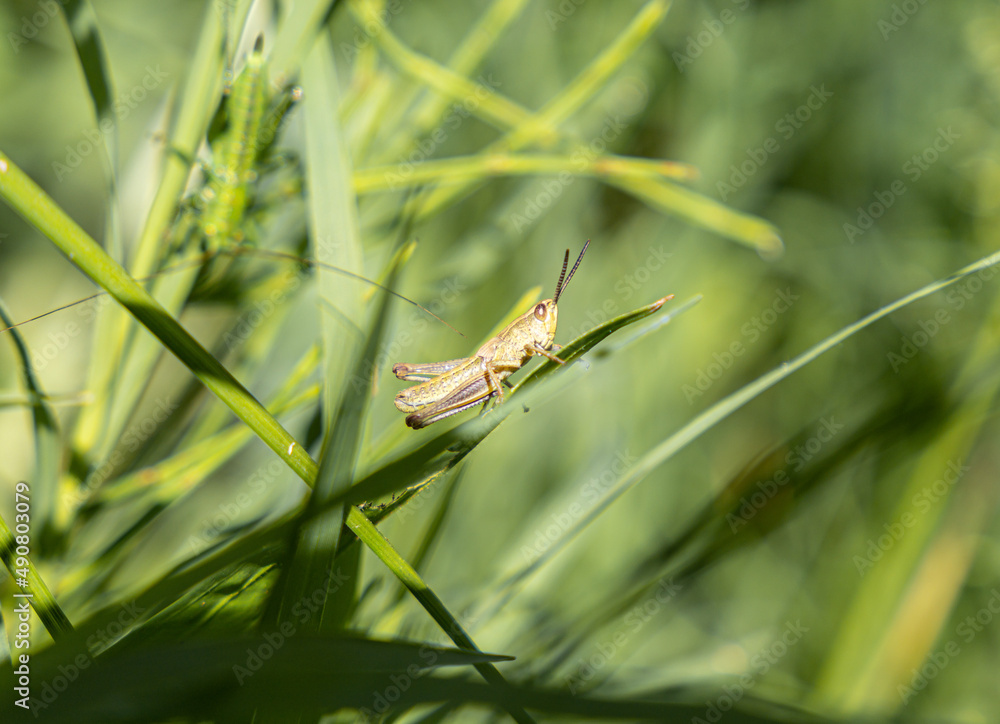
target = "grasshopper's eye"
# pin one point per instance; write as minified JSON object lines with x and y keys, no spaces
{"x":540,"y":311}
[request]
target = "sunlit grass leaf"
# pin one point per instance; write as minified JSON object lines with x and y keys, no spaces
{"x":725,"y":407}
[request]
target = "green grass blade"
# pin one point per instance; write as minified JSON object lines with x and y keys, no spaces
{"x":25,"y":197}
{"x":727,"y":406}
{"x":431,"y":108}
{"x":214,"y":678}
{"x":541,"y":128}
{"x":334,"y":228}
{"x":296,"y":36}
{"x":32,"y":588}
{"x":198,"y":100}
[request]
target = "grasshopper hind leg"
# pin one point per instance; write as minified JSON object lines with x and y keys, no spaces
{"x":468,"y":395}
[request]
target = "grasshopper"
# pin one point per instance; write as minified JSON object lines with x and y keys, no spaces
{"x":455,"y":385}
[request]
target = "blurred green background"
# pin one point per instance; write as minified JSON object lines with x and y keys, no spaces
{"x":831,"y":546}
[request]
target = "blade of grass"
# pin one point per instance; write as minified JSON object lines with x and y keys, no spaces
{"x":334,"y":229}
{"x":460,"y":170}
{"x":541,"y":128}
{"x":720,"y":411}
{"x":198,"y":101}
{"x":27,"y":199}
{"x":296,"y":36}
{"x":466,"y":58}
{"x":32,"y":586}
{"x":92,"y":57}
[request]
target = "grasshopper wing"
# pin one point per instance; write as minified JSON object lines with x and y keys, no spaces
{"x":462,"y":398}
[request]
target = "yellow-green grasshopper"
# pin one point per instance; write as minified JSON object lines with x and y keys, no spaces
{"x":455,"y":385}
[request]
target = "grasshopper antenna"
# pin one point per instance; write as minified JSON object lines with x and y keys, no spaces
{"x":323,"y":265}
{"x":176,"y":267}
{"x":562,"y":275}
{"x":561,"y":285}
{"x":256,"y":252}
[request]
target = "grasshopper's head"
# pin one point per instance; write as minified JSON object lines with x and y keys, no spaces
{"x":543,"y":322}
{"x":546,"y":313}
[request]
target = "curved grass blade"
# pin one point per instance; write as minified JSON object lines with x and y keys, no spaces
{"x":334,"y":228}
{"x":92,"y":55}
{"x":25,"y":197}
{"x":214,"y":678}
{"x":725,"y":407}
{"x":226,"y":680}
{"x":429,"y":111}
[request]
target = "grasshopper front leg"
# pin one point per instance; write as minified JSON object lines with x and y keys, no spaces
{"x":545,"y":353}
